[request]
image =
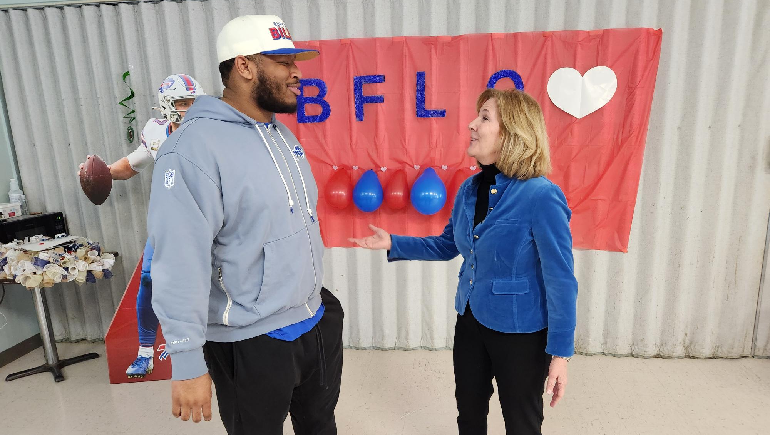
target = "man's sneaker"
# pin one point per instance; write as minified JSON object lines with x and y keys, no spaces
{"x":141,"y":367}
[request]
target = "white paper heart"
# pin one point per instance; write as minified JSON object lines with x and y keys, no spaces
{"x":581,"y":95}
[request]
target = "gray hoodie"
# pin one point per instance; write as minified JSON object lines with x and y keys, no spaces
{"x":238,"y":250}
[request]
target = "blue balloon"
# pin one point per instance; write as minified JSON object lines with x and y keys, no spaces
{"x":367,"y":195}
{"x":428,"y":193}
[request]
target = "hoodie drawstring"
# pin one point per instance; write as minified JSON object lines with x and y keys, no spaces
{"x":307,"y":201}
{"x":302,"y":177}
{"x":275,"y":162}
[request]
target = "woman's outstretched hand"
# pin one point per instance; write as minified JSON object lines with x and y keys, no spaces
{"x":379,"y":240}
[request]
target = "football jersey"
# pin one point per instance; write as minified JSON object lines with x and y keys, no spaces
{"x":153,"y":135}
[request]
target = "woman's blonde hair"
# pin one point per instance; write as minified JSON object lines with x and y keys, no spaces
{"x":524,"y":141}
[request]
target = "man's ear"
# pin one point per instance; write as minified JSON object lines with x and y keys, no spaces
{"x":244,"y":67}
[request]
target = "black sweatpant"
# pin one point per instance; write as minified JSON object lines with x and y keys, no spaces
{"x":518,"y":363}
{"x":260,"y":380}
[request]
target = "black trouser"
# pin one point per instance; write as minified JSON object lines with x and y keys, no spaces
{"x":518,"y":363}
{"x":260,"y":380}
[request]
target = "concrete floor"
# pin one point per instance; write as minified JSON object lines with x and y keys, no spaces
{"x":399,"y":392}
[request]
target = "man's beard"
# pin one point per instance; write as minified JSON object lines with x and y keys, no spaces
{"x":266,"y":94}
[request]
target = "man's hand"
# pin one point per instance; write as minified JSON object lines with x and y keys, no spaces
{"x":82,"y":166}
{"x":120,"y":170}
{"x":192,"y":397}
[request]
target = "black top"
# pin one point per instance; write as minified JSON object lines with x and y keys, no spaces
{"x":487,"y":178}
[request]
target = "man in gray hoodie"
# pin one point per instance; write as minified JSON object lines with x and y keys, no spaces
{"x":237,"y":270}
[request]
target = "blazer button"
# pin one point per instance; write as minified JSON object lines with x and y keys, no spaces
{"x":471,"y":251}
{"x":475,"y":236}
{"x":471,"y":266}
{"x":471,"y":281}
{"x":493,"y":191}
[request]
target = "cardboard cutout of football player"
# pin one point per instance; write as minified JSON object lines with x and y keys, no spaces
{"x":176,"y":94}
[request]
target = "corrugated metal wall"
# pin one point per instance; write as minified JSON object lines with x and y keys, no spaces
{"x":689,"y":285}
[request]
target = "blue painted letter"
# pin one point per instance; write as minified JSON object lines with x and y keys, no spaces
{"x":302,"y":100}
{"x":358,"y":93}
{"x":422,"y":112}
{"x":511,"y":74}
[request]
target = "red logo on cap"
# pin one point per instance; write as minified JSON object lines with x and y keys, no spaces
{"x":280,"y":33}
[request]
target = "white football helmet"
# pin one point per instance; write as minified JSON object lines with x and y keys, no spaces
{"x":177,"y":87}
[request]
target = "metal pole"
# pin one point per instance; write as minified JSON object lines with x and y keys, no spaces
{"x":46,"y":330}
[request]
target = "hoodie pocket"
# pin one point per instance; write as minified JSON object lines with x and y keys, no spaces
{"x":229,"y":306}
{"x":288,"y":275}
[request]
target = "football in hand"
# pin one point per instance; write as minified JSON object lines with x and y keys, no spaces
{"x":96,"y":180}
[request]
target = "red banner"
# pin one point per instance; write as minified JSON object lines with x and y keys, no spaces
{"x":405,"y":103}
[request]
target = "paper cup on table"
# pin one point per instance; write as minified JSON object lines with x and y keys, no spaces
{"x":31,"y":281}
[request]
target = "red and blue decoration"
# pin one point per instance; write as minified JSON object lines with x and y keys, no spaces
{"x":368,"y":194}
{"x":339,"y":190}
{"x":403,"y":104}
{"x":397,"y":192}
{"x":428,"y":193}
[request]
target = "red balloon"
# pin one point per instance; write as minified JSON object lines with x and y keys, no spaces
{"x":459,"y":177}
{"x":456,"y":181}
{"x":339,"y":190}
{"x":397,"y":192}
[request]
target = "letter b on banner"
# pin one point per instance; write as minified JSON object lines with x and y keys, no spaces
{"x":303,"y":100}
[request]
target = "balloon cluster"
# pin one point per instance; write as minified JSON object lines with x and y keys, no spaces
{"x":428,"y":194}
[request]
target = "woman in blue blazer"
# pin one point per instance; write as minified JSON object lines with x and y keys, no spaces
{"x":517,"y":291}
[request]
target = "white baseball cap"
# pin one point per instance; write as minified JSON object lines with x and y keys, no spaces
{"x":257,"y":34}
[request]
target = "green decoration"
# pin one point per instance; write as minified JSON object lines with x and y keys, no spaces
{"x":130,"y":130}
